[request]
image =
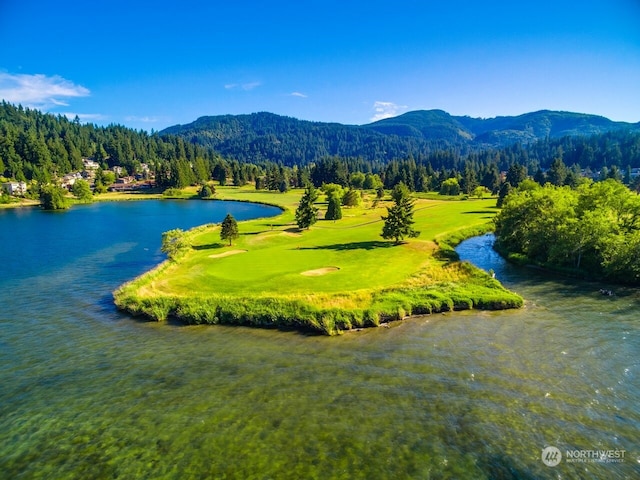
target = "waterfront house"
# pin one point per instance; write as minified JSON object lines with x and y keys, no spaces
{"x":15,"y":188}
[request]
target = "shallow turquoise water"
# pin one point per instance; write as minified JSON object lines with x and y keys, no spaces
{"x":86,"y":392}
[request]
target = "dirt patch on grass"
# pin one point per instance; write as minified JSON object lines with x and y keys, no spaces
{"x":227,"y":253}
{"x":290,"y":234}
{"x":319,"y":271}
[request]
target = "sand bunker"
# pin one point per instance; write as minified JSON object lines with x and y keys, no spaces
{"x":319,"y":271}
{"x":227,"y":253}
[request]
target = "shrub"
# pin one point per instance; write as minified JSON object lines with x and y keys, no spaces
{"x":172,"y":192}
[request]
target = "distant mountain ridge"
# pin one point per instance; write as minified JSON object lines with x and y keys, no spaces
{"x":499,"y":131}
{"x":267,"y":136}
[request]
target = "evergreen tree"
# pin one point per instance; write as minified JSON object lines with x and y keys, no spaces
{"x":504,"y":191}
{"x":351,"y":198}
{"x":557,"y":174}
{"x":229,"y":229}
{"x":222,"y":177}
{"x":334,"y":210}
{"x":516,"y":174}
{"x":540,"y":177}
{"x":469,"y":180}
{"x":398,"y":224}
{"x":627,"y":175}
{"x":491,"y":178}
{"x":307,"y":213}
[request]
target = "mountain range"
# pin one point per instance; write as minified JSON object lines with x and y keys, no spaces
{"x":267,"y":136}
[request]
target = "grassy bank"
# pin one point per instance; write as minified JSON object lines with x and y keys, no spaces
{"x":334,"y":277}
{"x":20,"y":203}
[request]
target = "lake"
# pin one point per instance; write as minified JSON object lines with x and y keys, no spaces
{"x":87,"y":392}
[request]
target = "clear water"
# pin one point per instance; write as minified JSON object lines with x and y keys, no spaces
{"x":86,"y":392}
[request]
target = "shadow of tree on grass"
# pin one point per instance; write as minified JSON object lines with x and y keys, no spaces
{"x":352,"y":246}
{"x":209,"y":246}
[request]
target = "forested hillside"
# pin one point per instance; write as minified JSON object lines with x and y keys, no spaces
{"x":41,"y":148}
{"x":266,"y":136}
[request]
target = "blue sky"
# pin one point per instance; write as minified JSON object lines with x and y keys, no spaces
{"x":151,"y":65}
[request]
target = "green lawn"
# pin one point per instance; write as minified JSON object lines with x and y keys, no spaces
{"x":343,"y":265}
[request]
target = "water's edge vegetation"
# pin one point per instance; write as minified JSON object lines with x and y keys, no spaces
{"x":590,"y":232}
{"x":444,"y":285}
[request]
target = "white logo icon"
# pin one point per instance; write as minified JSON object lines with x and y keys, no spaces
{"x":551,"y":456}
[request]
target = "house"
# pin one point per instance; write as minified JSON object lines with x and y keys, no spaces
{"x":15,"y":188}
{"x":69,"y":179}
{"x":90,"y":164}
{"x":131,"y":187}
{"x":125,"y":180}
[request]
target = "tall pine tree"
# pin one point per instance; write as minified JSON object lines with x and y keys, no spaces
{"x":307,"y":213}
{"x":229,"y":229}
{"x":398,"y":224}
{"x":334,"y":210}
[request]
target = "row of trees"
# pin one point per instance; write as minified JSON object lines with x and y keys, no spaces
{"x":398,"y":224}
{"x":593,"y":229}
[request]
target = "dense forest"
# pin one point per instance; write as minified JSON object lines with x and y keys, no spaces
{"x":41,"y":148}
{"x":266,"y":136}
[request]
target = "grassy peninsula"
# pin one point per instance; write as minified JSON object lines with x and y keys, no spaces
{"x":333,"y":277}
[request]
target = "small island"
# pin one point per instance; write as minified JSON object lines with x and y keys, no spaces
{"x":335,"y":276}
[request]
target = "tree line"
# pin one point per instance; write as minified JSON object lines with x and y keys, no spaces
{"x":39,"y":148}
{"x":593,"y":229}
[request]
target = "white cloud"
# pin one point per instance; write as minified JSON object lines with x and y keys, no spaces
{"x":146,"y":119}
{"x":251,"y":85}
{"x":85,"y":117}
{"x":243,"y":86}
{"x":387,"y":110}
{"x":298,"y":94}
{"x":39,"y":91}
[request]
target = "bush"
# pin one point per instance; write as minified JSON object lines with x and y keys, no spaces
{"x":53,"y":198}
{"x":172,"y":192}
{"x":206,"y":191}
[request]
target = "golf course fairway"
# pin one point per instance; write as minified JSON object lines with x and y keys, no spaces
{"x":336,"y":276}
